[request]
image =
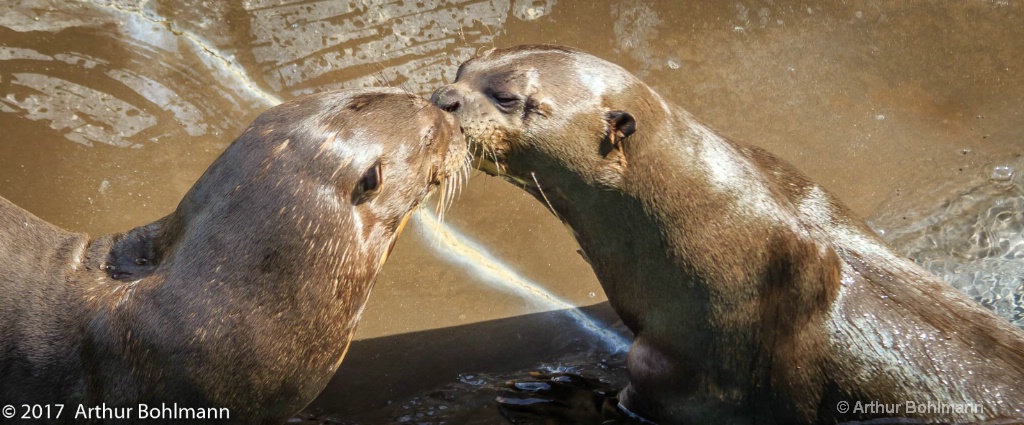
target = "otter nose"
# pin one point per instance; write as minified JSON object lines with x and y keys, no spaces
{"x":446,"y":98}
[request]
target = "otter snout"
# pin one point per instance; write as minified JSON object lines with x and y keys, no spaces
{"x":452,"y":121}
{"x":446,"y":98}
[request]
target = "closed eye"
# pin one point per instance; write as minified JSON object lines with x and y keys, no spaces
{"x":504,"y":100}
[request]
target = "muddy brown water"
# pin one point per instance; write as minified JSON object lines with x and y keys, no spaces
{"x":911,"y":112}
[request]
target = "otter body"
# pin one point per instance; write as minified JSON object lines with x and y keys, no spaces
{"x":245,"y":297}
{"x":753,"y":294}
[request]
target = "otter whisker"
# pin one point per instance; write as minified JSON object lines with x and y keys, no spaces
{"x":380,"y":76}
{"x":404,"y":86}
{"x":462,"y":174}
{"x":481,"y":152}
{"x":499,"y":166}
{"x":452,"y":185}
{"x":422,"y":108}
{"x":457,"y":190}
{"x":446,"y":197}
{"x":438,"y":209}
{"x":542,"y":195}
{"x":451,"y":195}
{"x":466,"y":170}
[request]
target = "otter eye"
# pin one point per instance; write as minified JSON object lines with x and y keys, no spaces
{"x":505,"y":100}
{"x":368,"y":184}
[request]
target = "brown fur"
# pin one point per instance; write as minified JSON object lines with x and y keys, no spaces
{"x":247,"y":296}
{"x":754,"y":296}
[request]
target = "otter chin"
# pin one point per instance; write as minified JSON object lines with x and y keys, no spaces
{"x":753,"y":294}
{"x":246,"y":297}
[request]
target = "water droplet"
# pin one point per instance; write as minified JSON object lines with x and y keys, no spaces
{"x":673,"y":64}
{"x":1002,"y":173}
{"x":880,"y":117}
{"x":592,"y":295}
{"x":467,"y":378}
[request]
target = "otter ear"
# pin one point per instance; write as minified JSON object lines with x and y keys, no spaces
{"x":620,"y":126}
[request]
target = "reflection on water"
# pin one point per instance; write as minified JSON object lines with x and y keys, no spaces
{"x":91,"y":121}
{"x":464,"y":251}
{"x":974,"y":240}
{"x":118,"y":75}
{"x":307,"y":46}
{"x":112,"y":108}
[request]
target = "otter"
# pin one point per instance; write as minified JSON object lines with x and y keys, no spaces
{"x":244,"y":299}
{"x":753,"y":294}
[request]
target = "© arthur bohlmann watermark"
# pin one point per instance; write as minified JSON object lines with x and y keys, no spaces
{"x":909,"y":408}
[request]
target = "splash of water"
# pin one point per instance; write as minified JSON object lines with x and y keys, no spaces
{"x":974,"y":240}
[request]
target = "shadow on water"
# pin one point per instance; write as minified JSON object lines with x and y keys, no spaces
{"x":454,"y":374}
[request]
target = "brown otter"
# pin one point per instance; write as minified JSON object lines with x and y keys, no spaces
{"x":247,"y":295}
{"x":754,"y":295}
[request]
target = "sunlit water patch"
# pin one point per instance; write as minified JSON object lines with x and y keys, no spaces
{"x":310,"y":46}
{"x":973,"y":241}
{"x":466,"y":252}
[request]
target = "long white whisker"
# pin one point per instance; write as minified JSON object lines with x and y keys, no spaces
{"x":542,"y":195}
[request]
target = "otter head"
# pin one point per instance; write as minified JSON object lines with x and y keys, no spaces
{"x":316,"y":187}
{"x":536,"y":114}
{"x":266,"y":264}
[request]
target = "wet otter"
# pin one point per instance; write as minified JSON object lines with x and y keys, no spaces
{"x":247,"y":295}
{"x":754,"y":295}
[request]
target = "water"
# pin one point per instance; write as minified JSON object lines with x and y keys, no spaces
{"x":112,"y":108}
{"x":974,"y":240}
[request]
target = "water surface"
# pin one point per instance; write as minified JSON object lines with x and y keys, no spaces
{"x":904,"y":110}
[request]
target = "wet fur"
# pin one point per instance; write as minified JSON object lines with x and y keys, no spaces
{"x":245,"y":297}
{"x":753,"y":294}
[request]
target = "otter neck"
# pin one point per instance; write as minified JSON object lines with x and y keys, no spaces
{"x":607,"y":225}
{"x":281,"y":290}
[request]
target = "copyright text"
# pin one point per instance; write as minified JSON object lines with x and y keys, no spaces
{"x":163,"y":411}
{"x":908,"y":407}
